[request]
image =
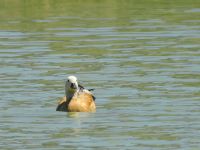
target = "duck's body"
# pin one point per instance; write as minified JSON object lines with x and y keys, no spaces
{"x":81,"y":102}
{"x":77,"y":99}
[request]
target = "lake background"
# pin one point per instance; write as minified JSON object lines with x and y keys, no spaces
{"x":142,"y":58}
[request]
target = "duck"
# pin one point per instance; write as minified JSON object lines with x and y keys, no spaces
{"x":77,"y":98}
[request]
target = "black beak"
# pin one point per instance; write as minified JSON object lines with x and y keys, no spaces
{"x":73,"y":86}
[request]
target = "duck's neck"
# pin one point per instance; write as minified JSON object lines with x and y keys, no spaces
{"x":69,"y":94}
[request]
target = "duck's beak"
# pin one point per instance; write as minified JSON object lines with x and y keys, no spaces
{"x":73,"y":86}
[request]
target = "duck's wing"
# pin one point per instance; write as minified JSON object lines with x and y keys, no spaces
{"x":82,"y":88}
{"x":89,"y":93}
{"x":83,"y":102}
{"x":62,"y":104}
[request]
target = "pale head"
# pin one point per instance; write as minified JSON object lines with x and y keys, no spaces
{"x":71,"y":85}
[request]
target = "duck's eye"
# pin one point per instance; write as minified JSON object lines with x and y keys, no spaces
{"x":67,"y":80}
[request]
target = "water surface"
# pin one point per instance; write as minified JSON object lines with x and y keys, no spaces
{"x":141,"y":57}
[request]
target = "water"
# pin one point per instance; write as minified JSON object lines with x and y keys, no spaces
{"x":141,"y":57}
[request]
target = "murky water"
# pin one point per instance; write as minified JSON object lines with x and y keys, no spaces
{"x":143,"y":59}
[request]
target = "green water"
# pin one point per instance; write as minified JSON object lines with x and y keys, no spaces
{"x":142,"y":58}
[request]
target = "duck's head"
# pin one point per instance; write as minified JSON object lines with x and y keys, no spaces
{"x":71,"y":85}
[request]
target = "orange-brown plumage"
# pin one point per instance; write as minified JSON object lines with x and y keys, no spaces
{"x":80,"y":100}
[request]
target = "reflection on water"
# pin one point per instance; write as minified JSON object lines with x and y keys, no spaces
{"x":141,"y":57}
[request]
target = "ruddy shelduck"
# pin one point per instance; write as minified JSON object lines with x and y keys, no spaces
{"x":77,"y":98}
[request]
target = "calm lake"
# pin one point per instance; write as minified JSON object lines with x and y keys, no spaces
{"x":142,"y":58}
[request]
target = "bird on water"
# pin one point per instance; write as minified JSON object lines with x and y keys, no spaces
{"x":77,"y":98}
